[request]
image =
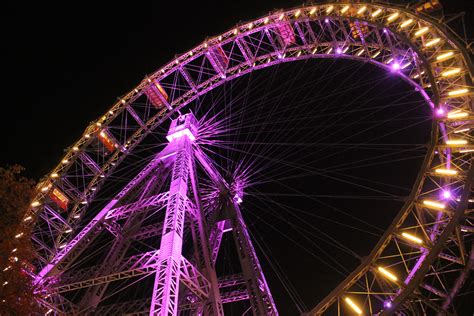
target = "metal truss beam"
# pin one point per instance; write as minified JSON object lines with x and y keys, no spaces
{"x":157,"y":201}
{"x":166,"y":286}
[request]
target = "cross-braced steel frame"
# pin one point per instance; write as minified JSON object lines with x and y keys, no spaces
{"x":419,"y":264}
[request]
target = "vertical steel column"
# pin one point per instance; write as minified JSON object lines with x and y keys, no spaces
{"x":166,"y":287}
{"x":202,"y":250}
{"x":260,"y":297}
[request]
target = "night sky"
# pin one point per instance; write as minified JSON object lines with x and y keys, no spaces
{"x":65,"y":65}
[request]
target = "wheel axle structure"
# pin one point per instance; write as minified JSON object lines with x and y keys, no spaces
{"x":417,"y":267}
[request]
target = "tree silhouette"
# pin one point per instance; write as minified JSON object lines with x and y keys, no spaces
{"x":16,"y":291}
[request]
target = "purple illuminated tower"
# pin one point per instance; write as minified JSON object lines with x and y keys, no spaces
{"x":183,"y":214}
{"x":171,"y":265}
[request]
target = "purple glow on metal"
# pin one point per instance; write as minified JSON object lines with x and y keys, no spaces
{"x":447,"y":194}
{"x":395,"y":66}
{"x":167,"y":275}
{"x":338,"y":50}
{"x":86,"y":231}
{"x":385,"y":31}
{"x":440,"y":112}
{"x":387,"y":304}
{"x":326,"y":20}
{"x":237,"y":199}
{"x":280,"y":56}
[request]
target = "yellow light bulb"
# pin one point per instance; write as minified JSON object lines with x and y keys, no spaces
{"x":406,"y":23}
{"x":433,"y":42}
{"x":433,"y":204}
{"x":362,"y":10}
{"x":445,"y":56}
{"x":393,"y":17}
{"x":412,"y":238}
{"x":376,"y":13}
{"x":449,"y":172}
{"x":451,"y":72}
{"x":353,"y":305}
{"x":458,"y":92}
{"x":387,"y":274}
{"x":422,"y":31}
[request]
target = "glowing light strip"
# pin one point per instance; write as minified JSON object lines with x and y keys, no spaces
{"x":376,"y":13}
{"x":353,"y":306}
{"x":362,"y":10}
{"x":345,"y":9}
{"x":329,"y":9}
{"x":387,"y":274}
{"x":451,"y":72}
{"x":450,"y":172}
{"x":406,"y":65}
{"x":412,"y":238}
{"x":393,"y":17}
{"x":433,"y":204}
{"x":422,"y":31}
{"x":458,"y":92}
{"x":444,"y":56}
{"x":462,"y":130}
{"x":457,"y":114}
{"x":433,"y":42}
{"x":455,"y":142}
{"x":406,"y":23}
{"x":312,"y":11}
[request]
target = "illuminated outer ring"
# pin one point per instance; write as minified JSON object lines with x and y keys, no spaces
{"x":382,"y":40}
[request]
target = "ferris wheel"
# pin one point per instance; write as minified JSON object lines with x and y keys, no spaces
{"x":135,"y":217}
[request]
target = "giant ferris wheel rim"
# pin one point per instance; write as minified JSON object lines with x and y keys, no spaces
{"x":170,"y":66}
{"x":297,"y":52}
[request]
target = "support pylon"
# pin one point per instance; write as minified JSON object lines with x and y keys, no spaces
{"x":185,"y":277}
{"x":260,"y":297}
{"x":166,"y":287}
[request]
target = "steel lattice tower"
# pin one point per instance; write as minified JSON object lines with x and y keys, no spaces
{"x":183,"y":208}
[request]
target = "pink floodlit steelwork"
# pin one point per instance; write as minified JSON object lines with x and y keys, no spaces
{"x":183,"y":199}
{"x":396,"y":66}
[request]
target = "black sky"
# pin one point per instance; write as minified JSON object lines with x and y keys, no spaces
{"x":64,"y":65}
